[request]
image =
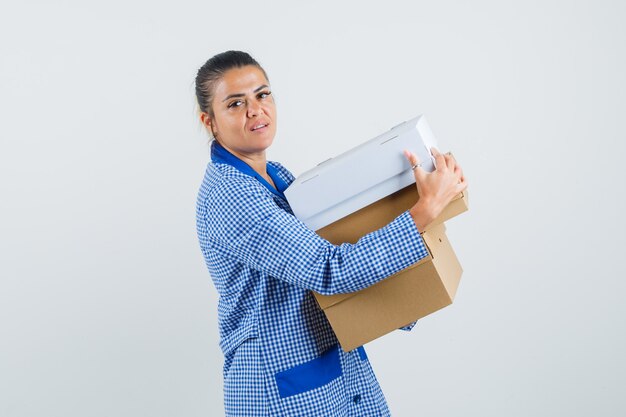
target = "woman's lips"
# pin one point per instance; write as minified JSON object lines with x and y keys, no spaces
{"x":262,"y":128}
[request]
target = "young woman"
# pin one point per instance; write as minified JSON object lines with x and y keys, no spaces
{"x":281,"y":357}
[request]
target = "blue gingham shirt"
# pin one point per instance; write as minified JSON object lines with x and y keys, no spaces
{"x":281,"y":357}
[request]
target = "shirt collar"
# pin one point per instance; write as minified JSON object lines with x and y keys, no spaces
{"x":221,"y":155}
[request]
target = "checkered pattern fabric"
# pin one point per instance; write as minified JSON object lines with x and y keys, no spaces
{"x":264,"y":262}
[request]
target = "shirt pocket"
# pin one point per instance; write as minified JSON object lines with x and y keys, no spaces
{"x":316,"y":386}
{"x":329,"y":400}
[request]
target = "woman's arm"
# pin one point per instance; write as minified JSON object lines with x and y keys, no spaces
{"x":242,"y":222}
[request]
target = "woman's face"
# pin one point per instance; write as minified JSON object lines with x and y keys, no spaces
{"x":244,"y":111}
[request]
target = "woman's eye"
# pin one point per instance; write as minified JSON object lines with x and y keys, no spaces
{"x":235,"y":104}
{"x":265,"y":94}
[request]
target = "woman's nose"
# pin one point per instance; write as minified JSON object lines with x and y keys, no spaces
{"x":254,"y":109}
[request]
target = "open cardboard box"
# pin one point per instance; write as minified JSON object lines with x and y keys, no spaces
{"x":413,"y":293}
{"x":360,"y":191}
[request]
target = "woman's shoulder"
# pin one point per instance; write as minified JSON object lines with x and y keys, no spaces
{"x":228,"y":198}
{"x":225,"y":187}
{"x":224,"y":179}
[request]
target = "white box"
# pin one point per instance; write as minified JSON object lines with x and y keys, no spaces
{"x":362,"y":175}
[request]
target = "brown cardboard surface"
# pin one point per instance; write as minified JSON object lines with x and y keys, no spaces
{"x":326,"y":301}
{"x":352,"y":227}
{"x":415,"y":292}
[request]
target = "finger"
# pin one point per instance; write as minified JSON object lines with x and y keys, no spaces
{"x":440,"y":161}
{"x":413,"y":159}
{"x":408,"y":156}
{"x":450,"y":161}
{"x":459,"y":172}
{"x":462,"y":185}
{"x":415,"y":164}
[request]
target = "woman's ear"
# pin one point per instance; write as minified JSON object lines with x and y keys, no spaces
{"x":206,"y":120}
{"x":208,"y":123}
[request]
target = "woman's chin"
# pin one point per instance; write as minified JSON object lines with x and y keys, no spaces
{"x":262,"y":143}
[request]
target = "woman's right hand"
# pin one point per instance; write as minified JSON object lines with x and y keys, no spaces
{"x":436,"y":189}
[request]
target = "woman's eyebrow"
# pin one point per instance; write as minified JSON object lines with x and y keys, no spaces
{"x":242,"y":94}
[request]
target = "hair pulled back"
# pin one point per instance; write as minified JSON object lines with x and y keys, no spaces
{"x":213,"y":70}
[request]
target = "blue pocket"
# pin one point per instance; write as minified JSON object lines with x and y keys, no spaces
{"x":309,"y":375}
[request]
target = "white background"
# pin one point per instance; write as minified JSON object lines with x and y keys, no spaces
{"x":106,"y":306}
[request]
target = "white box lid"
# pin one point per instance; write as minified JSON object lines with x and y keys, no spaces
{"x":359,"y":177}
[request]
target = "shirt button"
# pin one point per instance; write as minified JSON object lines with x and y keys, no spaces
{"x":356,"y":398}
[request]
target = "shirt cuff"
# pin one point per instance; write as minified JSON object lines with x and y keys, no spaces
{"x":409,"y":327}
{"x":408,"y":237}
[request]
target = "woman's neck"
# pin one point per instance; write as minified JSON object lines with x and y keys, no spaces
{"x":257,"y":161}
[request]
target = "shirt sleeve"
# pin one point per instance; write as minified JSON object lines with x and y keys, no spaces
{"x":244,"y":223}
{"x":409,"y":326}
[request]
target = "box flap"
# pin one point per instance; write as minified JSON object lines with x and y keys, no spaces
{"x":352,"y":227}
{"x":448,"y":265}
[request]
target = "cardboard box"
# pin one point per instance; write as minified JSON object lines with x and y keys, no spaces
{"x":409,"y":295}
{"x":415,"y":292}
{"x":359,"y":177}
{"x":359,"y":192}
